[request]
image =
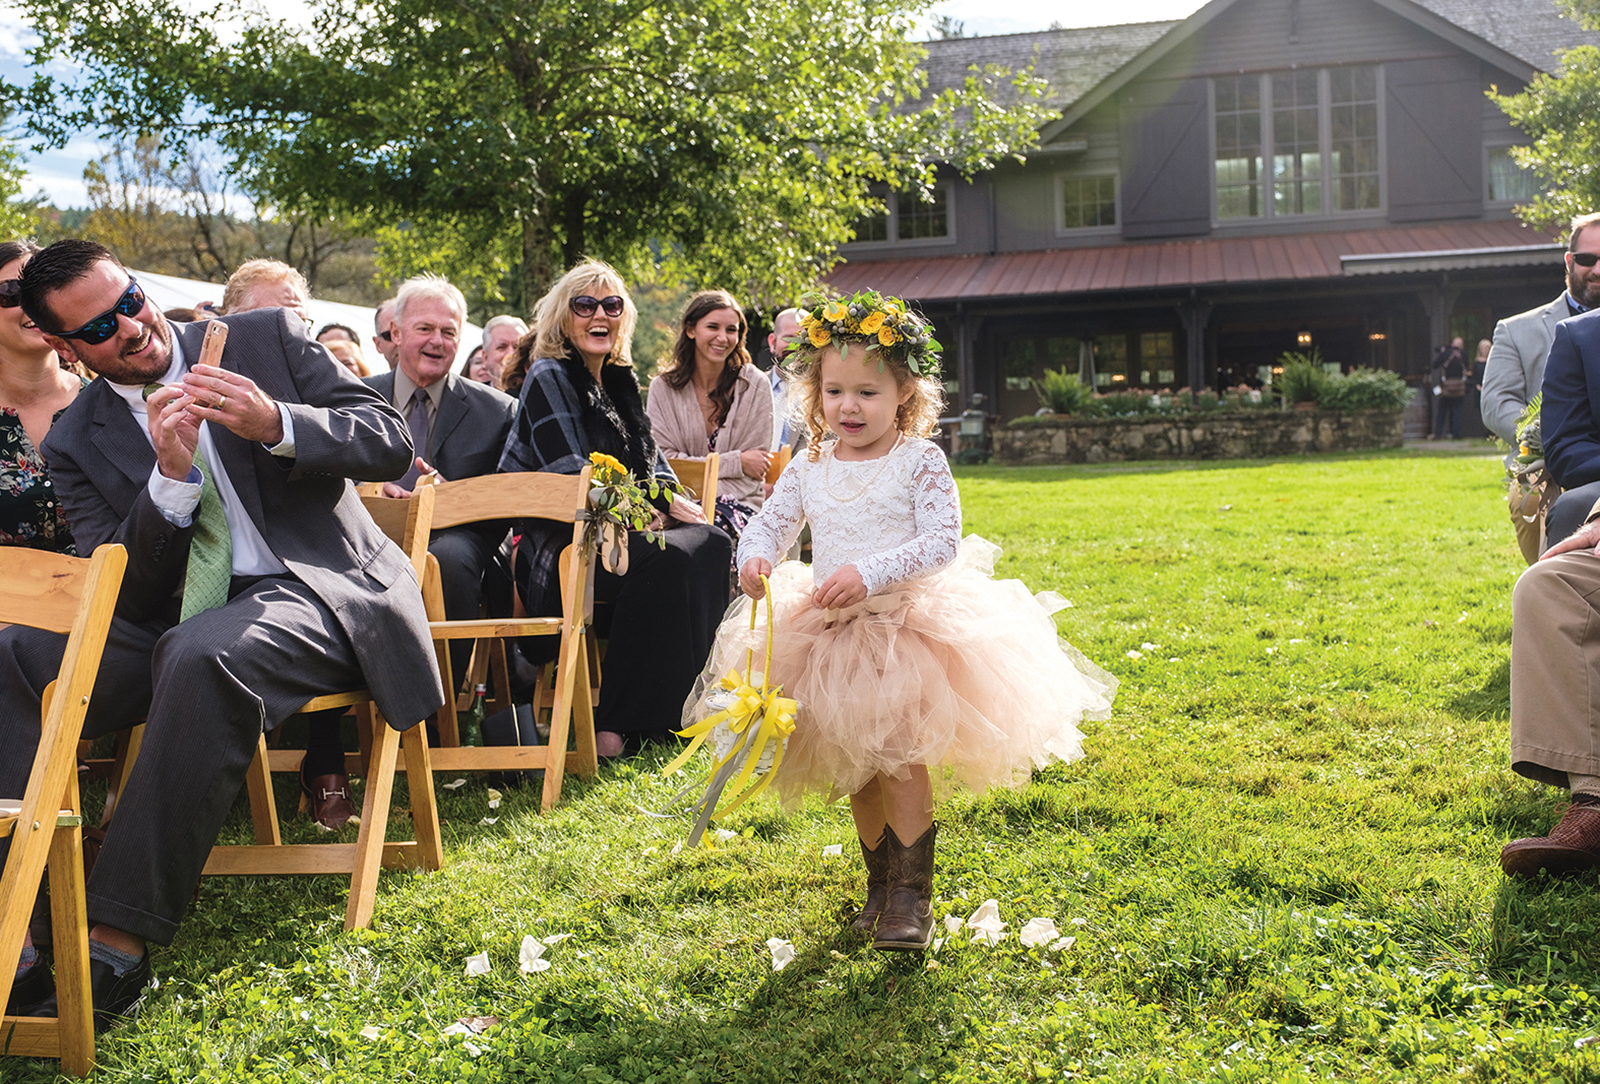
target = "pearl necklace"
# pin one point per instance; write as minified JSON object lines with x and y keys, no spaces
{"x":827,"y":473}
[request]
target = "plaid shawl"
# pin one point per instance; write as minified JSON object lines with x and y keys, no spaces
{"x":563,"y":416}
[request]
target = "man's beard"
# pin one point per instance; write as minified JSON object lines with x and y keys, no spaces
{"x":1584,"y":293}
{"x":152,"y":367}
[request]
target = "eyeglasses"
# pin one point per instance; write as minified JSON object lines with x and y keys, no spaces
{"x":1585,"y":259}
{"x":585,"y":305}
{"x":10,"y":293}
{"x":102,"y":327}
{"x":386,"y":336}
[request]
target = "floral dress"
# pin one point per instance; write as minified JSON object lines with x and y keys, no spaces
{"x":30,"y":513}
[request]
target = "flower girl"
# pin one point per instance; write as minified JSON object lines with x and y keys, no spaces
{"x":907,"y":657}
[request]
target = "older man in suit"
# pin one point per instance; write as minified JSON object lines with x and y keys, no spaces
{"x":459,"y":428}
{"x":255,"y":579}
{"x":1515,"y":371}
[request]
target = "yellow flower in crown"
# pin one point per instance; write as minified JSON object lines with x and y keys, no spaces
{"x":606,"y":462}
{"x":872,"y":323}
{"x":834,"y":311}
{"x":886,"y":336}
{"x":819,"y":335}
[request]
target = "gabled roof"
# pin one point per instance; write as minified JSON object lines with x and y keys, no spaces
{"x":1071,"y":61}
{"x":1086,"y":66}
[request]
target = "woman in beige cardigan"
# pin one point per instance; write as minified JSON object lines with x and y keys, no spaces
{"x":707,"y":397}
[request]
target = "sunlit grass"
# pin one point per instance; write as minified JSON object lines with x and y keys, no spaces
{"x":1278,"y":857}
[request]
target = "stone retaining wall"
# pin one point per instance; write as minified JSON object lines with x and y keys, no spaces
{"x":1246,"y":435}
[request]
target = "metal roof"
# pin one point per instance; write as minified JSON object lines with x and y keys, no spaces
{"x":1205,"y":262}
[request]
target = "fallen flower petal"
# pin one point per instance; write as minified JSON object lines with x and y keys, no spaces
{"x":986,"y":923}
{"x":458,"y":1028}
{"x":724,"y":835}
{"x":528,"y":956}
{"x":782,"y":953}
{"x":1135,"y":654}
{"x":455,"y":784}
{"x":1038,"y":931}
{"x":1063,"y":944}
{"x":833,"y":850}
{"x":490,"y":820}
{"x":494,"y":803}
{"x":952,"y":923}
{"x":478,"y":965}
{"x":371,"y":1031}
{"x":837,"y":955}
{"x":494,"y":795}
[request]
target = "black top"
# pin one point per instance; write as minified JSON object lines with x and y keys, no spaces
{"x":30,"y":514}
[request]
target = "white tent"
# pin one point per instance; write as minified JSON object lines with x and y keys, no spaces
{"x":174,"y":293}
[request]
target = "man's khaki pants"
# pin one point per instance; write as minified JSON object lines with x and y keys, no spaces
{"x":1555,"y":669}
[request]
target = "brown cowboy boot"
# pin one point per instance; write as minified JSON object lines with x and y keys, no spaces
{"x":907,"y":921}
{"x":1572,"y":845}
{"x":877,"y":861}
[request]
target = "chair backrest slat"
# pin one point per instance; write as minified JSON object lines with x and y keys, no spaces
{"x":699,"y":477}
{"x":407,"y":522}
{"x":41,"y":589}
{"x":518,"y":495}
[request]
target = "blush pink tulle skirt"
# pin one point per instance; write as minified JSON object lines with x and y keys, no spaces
{"x":957,"y":671}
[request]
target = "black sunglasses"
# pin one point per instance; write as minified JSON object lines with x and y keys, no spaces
{"x":1585,"y":259}
{"x":386,"y":336}
{"x":585,"y":305}
{"x":102,"y":327}
{"x":10,"y":293}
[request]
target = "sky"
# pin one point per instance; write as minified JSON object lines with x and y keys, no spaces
{"x":58,"y":174}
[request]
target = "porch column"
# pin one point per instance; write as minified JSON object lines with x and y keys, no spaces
{"x":1438,"y":301}
{"x":1195,"y":314}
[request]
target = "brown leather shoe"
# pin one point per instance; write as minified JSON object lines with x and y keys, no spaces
{"x":906,"y":924}
{"x":877,"y":861}
{"x":1572,"y":845}
{"x":327,"y":799}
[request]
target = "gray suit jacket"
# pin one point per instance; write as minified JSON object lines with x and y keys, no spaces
{"x":304,"y":507}
{"x":470,"y":432}
{"x":1515,"y":371}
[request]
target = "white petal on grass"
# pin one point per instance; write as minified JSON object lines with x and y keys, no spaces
{"x":490,"y":820}
{"x":1063,"y":944}
{"x":556,"y":938}
{"x":478,"y":965}
{"x":1038,"y":931}
{"x":472,"y":1048}
{"x":1148,"y":646}
{"x":457,"y":1028}
{"x":494,"y":803}
{"x":371,"y":1031}
{"x":494,"y":795}
{"x":454,"y":784}
{"x":725,"y":834}
{"x":952,"y":923}
{"x":782,"y":953}
{"x":530,"y":957}
{"x":986,"y":924}
{"x":1135,"y":654}
{"x":833,"y":850}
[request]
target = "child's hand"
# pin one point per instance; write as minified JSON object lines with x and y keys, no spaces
{"x":750,"y":576}
{"x":843,"y":588}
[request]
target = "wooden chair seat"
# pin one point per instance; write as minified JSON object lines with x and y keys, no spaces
{"x":699,"y":477}
{"x":76,"y":596}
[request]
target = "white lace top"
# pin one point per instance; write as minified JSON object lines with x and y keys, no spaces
{"x":895,"y":518}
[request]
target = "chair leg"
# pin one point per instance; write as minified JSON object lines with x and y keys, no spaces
{"x":374,"y":827}
{"x":263,"y":806}
{"x":499,"y":676}
{"x":424,"y":802}
{"x":570,"y":664}
{"x":75,"y":1009}
{"x":586,"y":760}
{"x":128,"y":743}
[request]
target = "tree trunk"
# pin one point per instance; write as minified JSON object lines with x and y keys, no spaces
{"x":537,"y":274}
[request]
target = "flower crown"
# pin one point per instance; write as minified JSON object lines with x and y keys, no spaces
{"x":886,"y":324}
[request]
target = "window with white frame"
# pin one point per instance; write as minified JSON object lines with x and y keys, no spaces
{"x":1319,"y":130}
{"x":1088,"y":201}
{"x":1509,"y":182}
{"x":907,"y":216}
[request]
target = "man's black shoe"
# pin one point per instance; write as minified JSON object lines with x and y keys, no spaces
{"x":115,"y":997}
{"x":31,"y":990}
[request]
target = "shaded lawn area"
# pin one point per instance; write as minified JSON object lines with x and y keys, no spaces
{"x":1279,"y":857}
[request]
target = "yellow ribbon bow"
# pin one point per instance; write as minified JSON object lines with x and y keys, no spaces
{"x":766,"y":706}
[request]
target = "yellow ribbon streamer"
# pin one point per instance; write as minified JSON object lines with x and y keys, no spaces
{"x":774,"y":711}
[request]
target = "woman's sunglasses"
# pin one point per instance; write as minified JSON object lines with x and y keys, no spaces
{"x":585,"y":305}
{"x":102,"y":327}
{"x":10,"y":293}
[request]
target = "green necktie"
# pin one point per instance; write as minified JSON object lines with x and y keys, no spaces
{"x":205,"y":584}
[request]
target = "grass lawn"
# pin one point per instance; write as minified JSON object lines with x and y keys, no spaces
{"x":1279,"y":857}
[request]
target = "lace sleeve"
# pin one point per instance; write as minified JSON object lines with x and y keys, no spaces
{"x":937,"y":508}
{"x":778,"y":523}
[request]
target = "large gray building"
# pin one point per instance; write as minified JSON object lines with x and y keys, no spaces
{"x":1266,"y":175}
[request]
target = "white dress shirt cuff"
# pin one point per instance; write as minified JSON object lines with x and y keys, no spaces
{"x":285,"y":447}
{"x":176,"y":501}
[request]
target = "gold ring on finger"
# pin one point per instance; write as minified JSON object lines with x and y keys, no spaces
{"x":221,"y":401}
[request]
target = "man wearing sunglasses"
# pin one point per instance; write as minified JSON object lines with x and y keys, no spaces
{"x":255,"y":578}
{"x":1515,"y":370}
{"x":383,"y":332}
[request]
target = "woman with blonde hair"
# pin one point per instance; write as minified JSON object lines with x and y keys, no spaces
{"x":708,"y":398}
{"x":573,"y":376}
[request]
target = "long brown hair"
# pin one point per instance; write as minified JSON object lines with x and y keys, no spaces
{"x":678,"y":367}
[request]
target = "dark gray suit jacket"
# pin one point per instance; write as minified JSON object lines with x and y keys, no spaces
{"x":304,"y":507}
{"x":470,"y":432}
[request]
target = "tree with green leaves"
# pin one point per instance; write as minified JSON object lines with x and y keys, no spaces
{"x":1560,"y":113}
{"x":498,"y":140}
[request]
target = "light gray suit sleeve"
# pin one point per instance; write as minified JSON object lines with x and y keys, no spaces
{"x":1505,"y":385}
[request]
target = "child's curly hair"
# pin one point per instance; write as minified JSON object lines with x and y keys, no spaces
{"x":918,"y":416}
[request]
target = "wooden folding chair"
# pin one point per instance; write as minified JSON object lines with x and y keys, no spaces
{"x":562,"y":498}
{"x":780,"y":459}
{"x":76,"y":596}
{"x":407,"y":522}
{"x":699,"y":477}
